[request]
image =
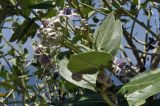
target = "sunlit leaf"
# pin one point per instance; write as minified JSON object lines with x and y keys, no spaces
{"x":108,"y":35}
{"x":89,"y":63}
{"x":67,"y":75}
{"x":141,"y":87}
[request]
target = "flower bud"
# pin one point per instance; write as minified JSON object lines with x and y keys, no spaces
{"x":67,"y":10}
{"x":77,"y":77}
{"x":44,"y":60}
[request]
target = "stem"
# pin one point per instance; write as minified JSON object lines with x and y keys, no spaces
{"x":135,"y":49}
{"x":9,"y":93}
{"x":107,"y":4}
{"x":138,"y":41}
{"x":68,"y":44}
{"x":133,"y":25}
{"x":76,"y":5}
{"x":93,"y":8}
{"x":130,"y":42}
{"x":11,"y":46}
{"x":89,"y":38}
{"x":106,"y":99}
{"x":7,"y":62}
{"x":127,"y":58}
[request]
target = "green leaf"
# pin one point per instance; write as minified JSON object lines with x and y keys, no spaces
{"x":86,"y":48}
{"x":67,"y":75}
{"x":27,"y":29}
{"x":136,"y":2}
{"x":8,"y":19}
{"x":59,"y":3}
{"x":88,"y":2}
{"x":50,"y":14}
{"x":141,"y":87}
{"x":3,"y":72}
{"x":6,"y":85}
{"x":70,"y":86}
{"x":13,"y":2}
{"x":108,"y":35}
{"x":42,"y":5}
{"x":89,"y":63}
{"x":11,"y":52}
{"x":25,"y":51}
{"x":88,"y":99}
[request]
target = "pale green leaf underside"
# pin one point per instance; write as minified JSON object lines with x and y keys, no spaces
{"x":108,"y":35}
{"x":141,"y":87}
{"x":67,"y":74}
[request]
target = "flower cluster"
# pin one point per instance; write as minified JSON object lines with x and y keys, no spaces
{"x":124,"y":71}
{"x":52,"y":31}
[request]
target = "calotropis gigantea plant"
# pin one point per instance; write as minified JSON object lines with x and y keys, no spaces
{"x":77,"y":61}
{"x":91,"y":57}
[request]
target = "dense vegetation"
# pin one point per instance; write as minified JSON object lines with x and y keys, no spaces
{"x":85,"y":52}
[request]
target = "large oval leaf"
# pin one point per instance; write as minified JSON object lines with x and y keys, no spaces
{"x":89,"y":63}
{"x":108,"y":35}
{"x":141,"y":87}
{"x":67,"y":75}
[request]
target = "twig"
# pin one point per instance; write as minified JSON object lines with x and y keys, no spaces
{"x":124,"y":53}
{"x":9,"y":93}
{"x":11,"y":45}
{"x":78,"y":8}
{"x":107,"y":4}
{"x":135,"y":49}
{"x":134,"y":22}
{"x":155,"y":60}
{"x":126,"y":12}
{"x":140,"y":23}
{"x":7,"y":62}
{"x":68,"y":44}
{"x":138,"y":41}
{"x":130,"y":42}
{"x":93,"y":8}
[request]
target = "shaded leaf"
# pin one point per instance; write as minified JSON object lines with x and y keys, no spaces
{"x":59,"y":3}
{"x":141,"y":87}
{"x":28,"y":29}
{"x":108,"y":35}
{"x":88,"y":99}
{"x":42,"y":5}
{"x":25,"y":51}
{"x":69,"y":86}
{"x":49,"y":14}
{"x":3,"y":73}
{"x":6,"y":84}
{"x":136,"y":2}
{"x":89,"y":63}
{"x":67,"y":75}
